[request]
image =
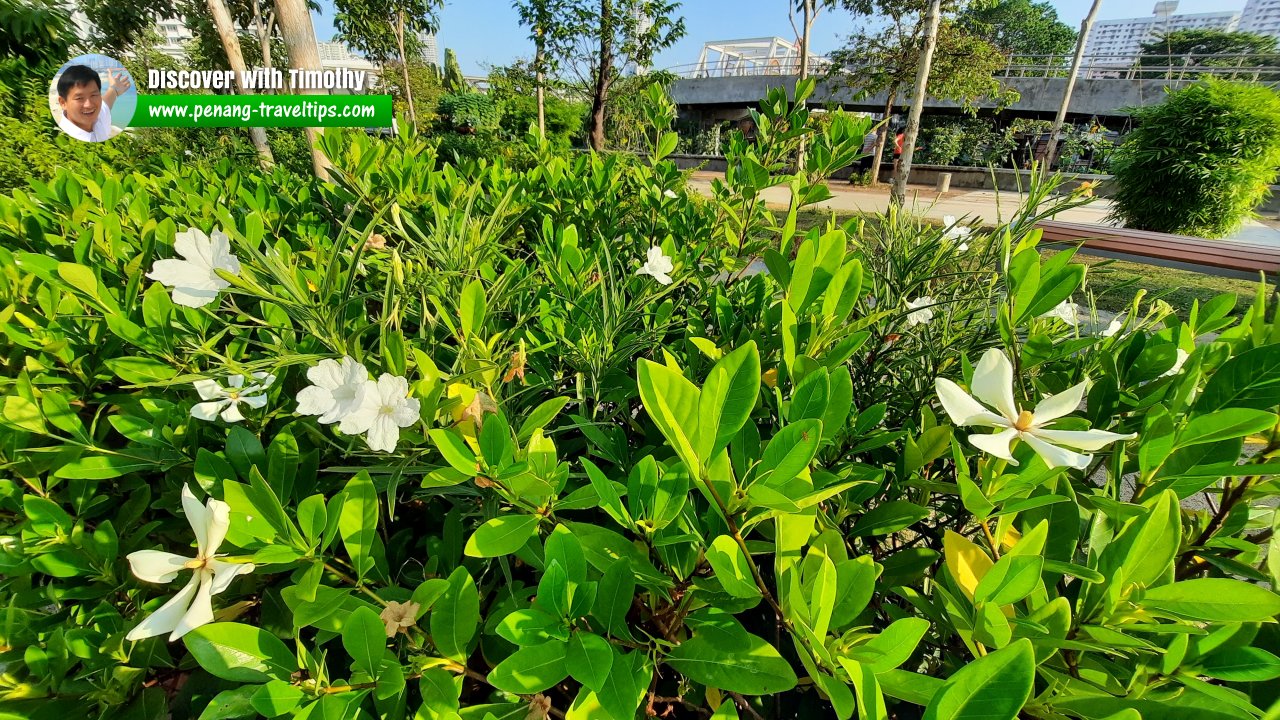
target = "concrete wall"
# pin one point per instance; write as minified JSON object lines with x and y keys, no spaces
{"x":1104,"y":97}
{"x":968,"y":178}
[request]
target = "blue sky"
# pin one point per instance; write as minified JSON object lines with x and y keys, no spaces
{"x":488,"y":32}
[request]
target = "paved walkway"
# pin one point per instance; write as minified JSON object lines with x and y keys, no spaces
{"x":988,"y":206}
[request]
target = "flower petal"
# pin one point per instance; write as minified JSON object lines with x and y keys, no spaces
{"x":168,"y":616}
{"x":963,"y":409}
{"x":182,"y":274}
{"x":224,"y":573}
{"x":194,"y":245}
{"x":156,"y":566}
{"x":1055,"y":456}
{"x":316,"y":400}
{"x":217,"y":519}
{"x":254,"y":401}
{"x":201,"y":610}
{"x":993,"y":383}
{"x":209,"y":389}
{"x":1082,"y":439}
{"x":208,"y":410}
{"x":1053,"y":407}
{"x":193,"y":298}
{"x":232,"y":414}
{"x":996,"y":444}
{"x":383,"y":434}
{"x":197,"y":517}
{"x":407,"y":413}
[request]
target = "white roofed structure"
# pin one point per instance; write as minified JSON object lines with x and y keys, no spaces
{"x":752,"y":56}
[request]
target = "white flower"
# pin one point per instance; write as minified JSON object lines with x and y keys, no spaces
{"x":956,"y":232}
{"x":1116,"y":325}
{"x":337,"y":389}
{"x":921,"y":310}
{"x":657,"y":265}
{"x":226,"y":400}
{"x":385,"y":409}
{"x":1177,"y":364}
{"x":669,"y":194}
{"x":192,"y":606}
{"x":993,"y":385}
{"x":194,"y":279}
{"x":1066,"y":311}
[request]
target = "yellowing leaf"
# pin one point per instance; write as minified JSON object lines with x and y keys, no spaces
{"x":1011,"y":538}
{"x":966,"y":562}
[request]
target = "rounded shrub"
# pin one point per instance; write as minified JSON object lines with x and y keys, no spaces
{"x":1199,"y":163}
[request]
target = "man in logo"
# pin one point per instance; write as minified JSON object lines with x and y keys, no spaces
{"x":85,"y":111}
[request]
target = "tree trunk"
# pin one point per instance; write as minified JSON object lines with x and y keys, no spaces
{"x":404,"y":67}
{"x":263,"y":30}
{"x":898,"y":194}
{"x":541,"y":78}
{"x":882,"y":136}
{"x":603,"y":69}
{"x":235,"y":58}
{"x":1052,"y":146}
{"x":294,"y":19}
{"x":807,"y":23}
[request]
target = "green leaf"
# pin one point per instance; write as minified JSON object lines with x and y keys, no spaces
{"x":727,"y":399}
{"x":502,"y":536}
{"x":456,"y":616}
{"x":276,"y":698}
{"x":531,"y":669}
{"x":789,"y":452}
{"x":471,"y":308}
{"x":1248,"y":380}
{"x":244,"y":451}
{"x":614,"y":593}
{"x":540,"y":417}
{"x":229,"y":704}
{"x":312,"y":518}
{"x":672,"y":403}
{"x":892,"y":647}
{"x":140,"y":370}
{"x":455,"y":451}
{"x":23,"y":414}
{"x":732,"y":568}
{"x":1225,"y":425}
{"x":1011,"y":579}
{"x":364,"y":637}
{"x":240,"y":653}
{"x":1241,"y":664}
{"x":1214,"y":600}
{"x":889,"y":517}
{"x":358,"y":523}
{"x":589,"y":659}
{"x":810,"y":399}
{"x":992,"y":687}
{"x":723,"y":655}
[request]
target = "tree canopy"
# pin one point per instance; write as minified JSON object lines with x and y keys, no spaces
{"x":1192,"y":43}
{"x":1019,"y":27}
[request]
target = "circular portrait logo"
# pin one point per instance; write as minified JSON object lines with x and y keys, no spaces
{"x":92,"y":98}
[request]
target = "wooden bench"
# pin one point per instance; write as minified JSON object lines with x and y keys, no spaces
{"x":1213,"y":257}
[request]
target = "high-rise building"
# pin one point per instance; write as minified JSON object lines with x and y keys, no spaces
{"x":1119,"y":41}
{"x":429,"y":48}
{"x":173,"y":37}
{"x":1261,"y":17}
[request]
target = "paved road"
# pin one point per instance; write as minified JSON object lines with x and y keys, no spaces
{"x":972,"y":205}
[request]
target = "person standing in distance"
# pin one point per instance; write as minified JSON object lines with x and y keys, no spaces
{"x":85,"y":109}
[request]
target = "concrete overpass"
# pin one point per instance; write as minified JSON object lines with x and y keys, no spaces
{"x":1107,"y":87}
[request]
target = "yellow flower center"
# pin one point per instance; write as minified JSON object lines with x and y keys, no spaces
{"x":1024,"y":421}
{"x":196,"y":563}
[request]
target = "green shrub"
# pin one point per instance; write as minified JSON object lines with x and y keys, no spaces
{"x":1199,"y":163}
{"x":469,"y":112}
{"x":461,"y":442}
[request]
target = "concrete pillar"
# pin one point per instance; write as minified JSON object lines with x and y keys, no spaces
{"x":944,"y":182}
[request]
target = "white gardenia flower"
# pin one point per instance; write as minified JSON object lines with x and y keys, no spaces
{"x":385,"y":409}
{"x":1116,"y":325}
{"x":227,"y":400}
{"x":993,"y":385}
{"x":194,"y":279}
{"x":1066,"y":311}
{"x":669,"y":194}
{"x":954,"y":232}
{"x":921,"y":310}
{"x":337,"y":389}
{"x":657,"y":265}
{"x":192,"y":606}
{"x":1177,"y":364}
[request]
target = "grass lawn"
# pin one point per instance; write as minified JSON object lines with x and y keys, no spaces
{"x":1115,"y":282}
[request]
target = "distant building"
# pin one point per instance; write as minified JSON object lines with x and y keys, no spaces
{"x":336,"y":55}
{"x":429,"y":48}
{"x":1261,"y":17}
{"x":174,"y":36}
{"x":1119,"y":41}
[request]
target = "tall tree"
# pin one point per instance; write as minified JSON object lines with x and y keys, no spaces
{"x":118,"y":25}
{"x":1051,"y":146}
{"x":384,"y":30}
{"x":550,"y":29}
{"x":453,"y":79}
{"x":883,"y":57}
{"x":294,"y":19}
{"x":602,"y":37}
{"x":1190,"y":48}
{"x":932,"y":19}
{"x":1019,"y":27}
{"x":231,"y":45}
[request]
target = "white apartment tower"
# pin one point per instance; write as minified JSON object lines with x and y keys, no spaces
{"x":1261,"y":17}
{"x":429,"y":47}
{"x":1119,"y":41}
